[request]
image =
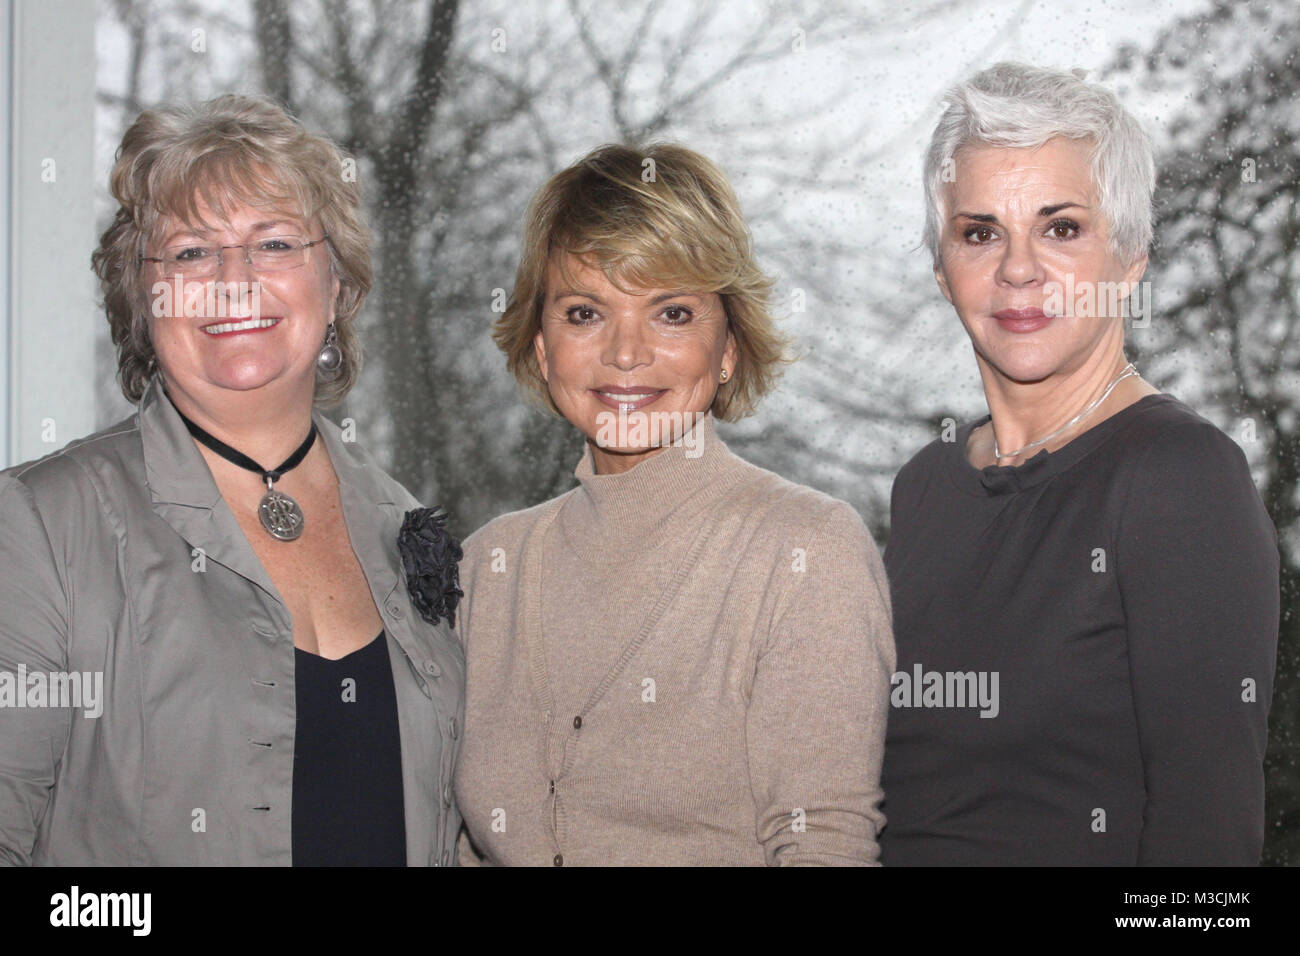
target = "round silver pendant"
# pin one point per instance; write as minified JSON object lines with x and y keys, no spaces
{"x":281,"y":516}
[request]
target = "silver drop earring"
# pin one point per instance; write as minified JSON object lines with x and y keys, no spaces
{"x":331,"y":357}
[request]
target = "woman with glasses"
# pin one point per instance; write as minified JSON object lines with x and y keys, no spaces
{"x":212,"y":655}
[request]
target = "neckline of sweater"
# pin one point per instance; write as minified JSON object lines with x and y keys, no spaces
{"x":638,"y":505}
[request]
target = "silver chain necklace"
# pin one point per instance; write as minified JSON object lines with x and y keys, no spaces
{"x":1129,"y":369}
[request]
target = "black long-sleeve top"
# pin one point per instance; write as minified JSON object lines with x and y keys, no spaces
{"x":1120,"y":595}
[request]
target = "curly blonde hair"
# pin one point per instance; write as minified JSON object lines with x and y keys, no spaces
{"x":225,"y":152}
{"x":659,"y":217}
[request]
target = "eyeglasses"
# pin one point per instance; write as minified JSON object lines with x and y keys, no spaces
{"x":272,"y":254}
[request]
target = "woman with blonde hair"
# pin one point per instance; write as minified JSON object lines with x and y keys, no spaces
{"x":221,"y":570}
{"x":685,"y":659}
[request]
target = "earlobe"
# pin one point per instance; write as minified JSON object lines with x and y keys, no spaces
{"x":942,"y":279}
{"x":1137,"y":270}
{"x":539,"y":346}
{"x":335,"y":286}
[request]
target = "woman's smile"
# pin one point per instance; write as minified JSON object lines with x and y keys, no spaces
{"x":241,"y":326}
{"x":1022,"y":320}
{"x":627,"y":398}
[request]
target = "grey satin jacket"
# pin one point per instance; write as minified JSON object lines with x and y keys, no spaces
{"x":119,"y":557}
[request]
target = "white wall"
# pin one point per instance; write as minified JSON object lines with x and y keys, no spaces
{"x":6,"y":69}
{"x":50,"y":299}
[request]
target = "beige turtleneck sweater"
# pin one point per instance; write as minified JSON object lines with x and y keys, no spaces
{"x":684,"y":664}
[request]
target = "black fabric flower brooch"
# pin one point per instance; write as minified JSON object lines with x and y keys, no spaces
{"x":429,"y":557}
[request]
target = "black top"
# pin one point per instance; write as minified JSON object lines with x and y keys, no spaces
{"x":1086,"y":645}
{"x":347,"y":761}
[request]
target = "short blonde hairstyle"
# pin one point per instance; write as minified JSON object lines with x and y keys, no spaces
{"x":662,"y":217}
{"x":225,"y":152}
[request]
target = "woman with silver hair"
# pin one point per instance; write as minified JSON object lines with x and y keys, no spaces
{"x":1084,"y":581}
{"x":219,"y":576}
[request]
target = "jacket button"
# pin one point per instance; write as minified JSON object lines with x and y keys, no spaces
{"x":559,"y":860}
{"x":395,"y":610}
{"x":455,"y":728}
{"x":577,"y":723}
{"x":552,"y":786}
{"x":432,"y":669}
{"x":433,"y":859}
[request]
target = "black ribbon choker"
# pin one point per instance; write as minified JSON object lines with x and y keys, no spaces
{"x":278,"y":512}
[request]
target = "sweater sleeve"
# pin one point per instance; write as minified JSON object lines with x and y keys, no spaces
{"x":815,"y":725}
{"x":1197,"y":561}
{"x":466,"y":855}
{"x":33,"y":638}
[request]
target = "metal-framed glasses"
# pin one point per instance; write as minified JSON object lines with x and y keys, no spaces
{"x":272,"y":254}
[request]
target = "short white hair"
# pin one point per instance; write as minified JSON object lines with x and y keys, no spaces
{"x":1016,"y":105}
